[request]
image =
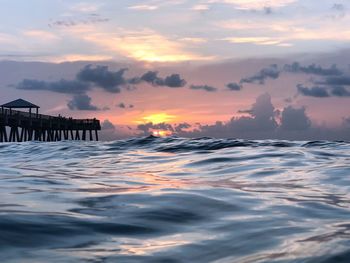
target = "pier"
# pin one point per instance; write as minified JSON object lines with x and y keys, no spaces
{"x":20,"y":126}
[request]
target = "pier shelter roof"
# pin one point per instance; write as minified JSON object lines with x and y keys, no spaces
{"x":19,"y":104}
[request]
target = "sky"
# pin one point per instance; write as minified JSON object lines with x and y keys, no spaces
{"x":252,"y":69}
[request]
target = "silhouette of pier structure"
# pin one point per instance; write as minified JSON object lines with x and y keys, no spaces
{"x":28,"y":126}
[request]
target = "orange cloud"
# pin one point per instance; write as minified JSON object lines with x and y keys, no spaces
{"x":145,"y":45}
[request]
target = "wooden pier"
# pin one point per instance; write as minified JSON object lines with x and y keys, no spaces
{"x":19,"y":126}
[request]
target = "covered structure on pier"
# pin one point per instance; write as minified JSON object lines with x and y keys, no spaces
{"x":24,"y":126}
{"x":20,"y":104}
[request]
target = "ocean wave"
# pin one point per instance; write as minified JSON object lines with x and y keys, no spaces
{"x":175,"y":200}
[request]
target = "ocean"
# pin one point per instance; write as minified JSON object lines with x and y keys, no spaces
{"x":175,"y":200}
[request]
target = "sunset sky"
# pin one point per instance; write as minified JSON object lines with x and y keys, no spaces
{"x":252,"y":69}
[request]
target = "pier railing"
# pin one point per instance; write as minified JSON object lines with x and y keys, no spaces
{"x":44,"y":127}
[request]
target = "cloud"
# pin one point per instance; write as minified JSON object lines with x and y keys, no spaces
{"x":262,"y":116}
{"x":234,"y":86}
{"x":267,"y":10}
{"x":323,"y":92}
{"x":174,"y":81}
{"x":151,"y":77}
{"x":294,"y":119}
{"x":203,"y":87}
{"x":81,"y":102}
{"x":194,"y":40}
{"x":122,"y":105}
{"x":339,"y":11}
{"x":177,"y":129}
{"x":143,"y":7}
{"x":312,"y":69}
{"x":334,"y":75}
{"x":90,"y":19}
{"x":340,"y":91}
{"x":200,"y":7}
{"x":101,"y":76}
{"x":264,"y":41}
{"x":263,"y":122}
{"x":336,"y":81}
{"x":338,"y":7}
{"x":90,"y":77}
{"x":61,"y":86}
{"x":147,"y":128}
{"x":112,"y":131}
{"x":84,"y":7}
{"x":255,"y":4}
{"x":318,"y":92}
{"x":107,"y":125}
{"x":271,"y":72}
{"x":144,"y":45}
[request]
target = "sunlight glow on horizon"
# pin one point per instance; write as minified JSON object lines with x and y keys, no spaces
{"x":157,"y":118}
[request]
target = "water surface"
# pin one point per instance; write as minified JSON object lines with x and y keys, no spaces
{"x":175,"y":200}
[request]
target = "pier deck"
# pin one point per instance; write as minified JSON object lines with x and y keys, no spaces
{"x":24,"y":126}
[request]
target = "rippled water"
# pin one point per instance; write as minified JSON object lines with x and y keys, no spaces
{"x":175,"y":200}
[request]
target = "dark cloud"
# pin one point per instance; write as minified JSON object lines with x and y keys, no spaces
{"x":234,"y":86}
{"x":260,"y":123}
{"x":61,"y":86}
{"x":336,"y":81}
{"x":112,"y":131}
{"x":182,"y":126}
{"x":245,"y":111}
{"x":262,"y":116}
{"x":203,"y":87}
{"x":174,"y":81}
{"x":318,"y":92}
{"x":339,"y":11}
{"x":267,"y":10}
{"x":177,"y":129}
{"x":312,"y":69}
{"x":151,"y":77}
{"x":323,"y":92}
{"x":147,"y":128}
{"x":340,"y":91}
{"x":101,"y":76}
{"x":81,"y":102}
{"x":107,"y":125}
{"x":122,"y":105}
{"x":271,"y":72}
{"x":294,"y":119}
{"x":86,"y":20}
{"x":338,"y":7}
